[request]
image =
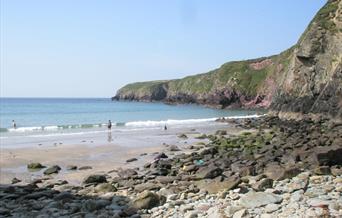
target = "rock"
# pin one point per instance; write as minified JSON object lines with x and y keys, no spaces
{"x":215,"y":212}
{"x":213,"y":187}
{"x":105,"y":187}
{"x":146,"y":186}
{"x":34,"y":166}
{"x":263,"y":184}
{"x":271,"y":208}
{"x":51,"y":170}
{"x":322,"y":170}
{"x":63,"y":196}
{"x":93,"y":205}
{"x":174,"y":148}
{"x":5,"y":212}
{"x":183,"y":136}
{"x":146,"y":200}
{"x":247,"y":171}
{"x":39,"y":194}
{"x":316,"y":202}
{"x":221,"y":132}
{"x":127,"y":173}
{"x":71,"y":167}
{"x":161,"y":156}
{"x":336,"y":171}
{"x":240,"y":214}
{"x":15,"y":180}
{"x":208,"y":172}
{"x":95,"y":179}
{"x":330,"y":157}
{"x":258,"y":199}
{"x":295,"y":184}
{"x":202,"y":136}
{"x":166,"y":179}
{"x":277,"y":172}
{"x":85,"y":168}
{"x":131,"y":160}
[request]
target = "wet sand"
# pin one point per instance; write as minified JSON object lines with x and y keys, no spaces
{"x":103,"y":157}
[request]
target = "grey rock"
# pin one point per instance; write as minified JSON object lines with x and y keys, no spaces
{"x":95,"y":179}
{"x":35,"y":165}
{"x":258,"y":199}
{"x":271,"y":208}
{"x":146,"y":200}
{"x":71,"y":167}
{"x":131,"y":160}
{"x":85,"y":168}
{"x":208,"y":172}
{"x":126,"y":174}
{"x":52,"y":170}
{"x":263,"y":184}
{"x":64,"y":196}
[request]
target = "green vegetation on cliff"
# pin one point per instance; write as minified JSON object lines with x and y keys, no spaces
{"x":305,"y":78}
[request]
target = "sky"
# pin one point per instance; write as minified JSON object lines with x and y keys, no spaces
{"x":87,"y":48}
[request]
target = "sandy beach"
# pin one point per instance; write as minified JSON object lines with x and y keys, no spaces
{"x":102,"y":156}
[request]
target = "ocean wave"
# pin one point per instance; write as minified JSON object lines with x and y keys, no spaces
{"x":151,"y":123}
{"x":136,"y":124}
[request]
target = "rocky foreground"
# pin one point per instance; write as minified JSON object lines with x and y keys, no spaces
{"x":274,"y":168}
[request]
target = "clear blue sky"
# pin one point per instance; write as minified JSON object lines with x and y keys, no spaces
{"x":87,"y":48}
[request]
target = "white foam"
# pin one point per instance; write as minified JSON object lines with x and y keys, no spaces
{"x":26,"y":129}
{"x":151,"y":123}
{"x":245,"y":116}
{"x":49,"y":128}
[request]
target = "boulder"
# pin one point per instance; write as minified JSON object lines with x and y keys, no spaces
{"x":161,"y":156}
{"x":52,"y":170}
{"x":213,"y":186}
{"x":183,"y":136}
{"x":322,"y":170}
{"x":105,"y":187}
{"x":131,"y":160}
{"x":85,"y":168}
{"x":208,"y":172}
{"x":263,"y":184}
{"x":146,"y":200}
{"x":174,"y":148}
{"x":146,"y":186}
{"x":166,"y":179}
{"x":221,"y":132}
{"x":71,"y":167}
{"x":15,"y":180}
{"x":64,"y":196}
{"x":95,"y":179}
{"x":127,"y":174}
{"x":258,"y":199}
{"x":247,"y":171}
{"x":35,"y":166}
{"x":329,"y":157}
{"x":277,"y":172}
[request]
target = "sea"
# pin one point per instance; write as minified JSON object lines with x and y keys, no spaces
{"x":39,"y":120}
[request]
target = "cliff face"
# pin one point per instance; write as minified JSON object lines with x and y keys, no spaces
{"x":306,"y":78}
{"x":313,"y":81}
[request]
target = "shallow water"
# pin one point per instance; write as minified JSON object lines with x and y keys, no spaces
{"x":54,"y":120}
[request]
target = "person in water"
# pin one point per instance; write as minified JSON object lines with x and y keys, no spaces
{"x":109,"y":125}
{"x":14,"y":124}
{"x":165,"y":127}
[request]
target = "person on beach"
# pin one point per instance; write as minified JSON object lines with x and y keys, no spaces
{"x":165,"y":127}
{"x":14,"y":124}
{"x":109,"y":125}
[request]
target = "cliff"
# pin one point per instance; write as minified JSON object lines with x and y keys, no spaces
{"x":307,"y":78}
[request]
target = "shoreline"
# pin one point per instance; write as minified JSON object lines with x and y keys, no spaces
{"x":102,"y":156}
{"x":266,"y":168}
